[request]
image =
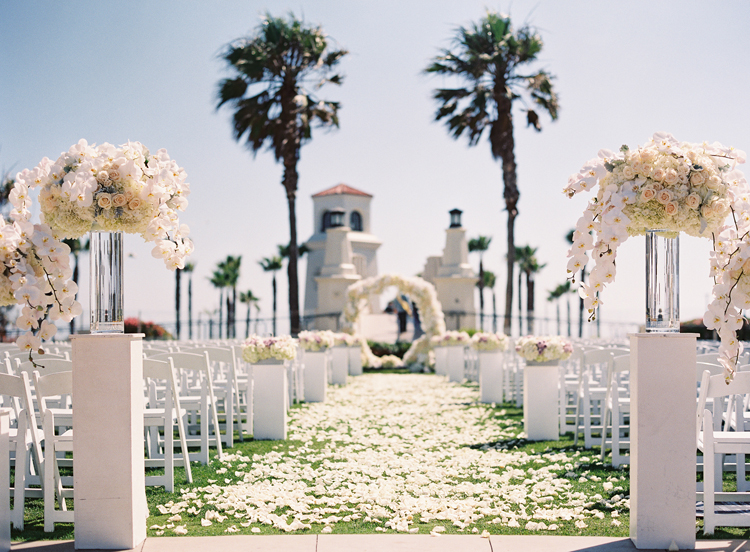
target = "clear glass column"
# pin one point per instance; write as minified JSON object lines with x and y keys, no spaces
{"x":662,"y":281}
{"x":106,"y":283}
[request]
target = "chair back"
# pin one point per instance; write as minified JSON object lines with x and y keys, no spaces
{"x":716,"y":387}
{"x":46,"y":366}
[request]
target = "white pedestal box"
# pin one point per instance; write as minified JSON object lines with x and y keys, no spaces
{"x":662,"y":440}
{"x":455,"y":354}
{"x":108,"y":473}
{"x":540,"y":414}
{"x":270,"y":400}
{"x":355,"y":360}
{"x":490,"y":376}
{"x":5,"y":479}
{"x":339,"y":365}
{"x":441,"y":361}
{"x":316,"y":375}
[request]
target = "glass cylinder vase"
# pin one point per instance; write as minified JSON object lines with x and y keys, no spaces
{"x":106,"y":297}
{"x":662,"y":281}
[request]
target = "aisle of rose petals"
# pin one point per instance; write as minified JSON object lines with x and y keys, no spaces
{"x":396,"y":451}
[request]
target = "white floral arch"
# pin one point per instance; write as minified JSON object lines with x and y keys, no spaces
{"x":418,"y":290}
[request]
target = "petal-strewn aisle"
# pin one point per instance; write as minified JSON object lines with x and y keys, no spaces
{"x":407,"y":453}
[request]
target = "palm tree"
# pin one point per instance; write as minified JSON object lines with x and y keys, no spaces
{"x":189,"y":268}
{"x":77,"y":246}
{"x":275,"y":71}
{"x":480,"y":244}
{"x":249,"y":299}
{"x":231,"y":268}
{"x":218,"y":280}
{"x":489,"y":283}
{"x":177,"y":300}
{"x":489,"y":60}
{"x":272,"y":264}
{"x":528,"y":265}
{"x":555,"y":295}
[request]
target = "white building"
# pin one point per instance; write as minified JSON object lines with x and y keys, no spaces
{"x":356,"y":207}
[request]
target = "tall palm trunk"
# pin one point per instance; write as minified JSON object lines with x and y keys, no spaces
{"x":221,"y":308}
{"x":177,"y":299}
{"x":529,"y":303}
{"x":247,"y":320}
{"x":559,"y":327}
{"x":569,"y":332}
{"x":273,"y":285}
{"x":229,"y":315}
{"x":190,"y":307}
{"x":481,"y":294}
{"x":291,"y":156}
{"x":520,"y":302}
{"x":494,"y":312}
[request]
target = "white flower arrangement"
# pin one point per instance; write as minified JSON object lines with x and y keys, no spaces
{"x":108,"y":188}
{"x":391,"y":361}
{"x":316,"y":340}
{"x":341,"y":339}
{"x":257,"y":348}
{"x":673,"y":186}
{"x":482,"y":341}
{"x":544,"y":348}
{"x":418,"y":290}
{"x":450,"y":339}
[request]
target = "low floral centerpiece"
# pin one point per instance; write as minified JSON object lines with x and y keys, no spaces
{"x":451,"y":339}
{"x":256,"y":348}
{"x":674,"y":187}
{"x":341,"y":339}
{"x":482,"y":341}
{"x":544,"y":348}
{"x":316,"y":340}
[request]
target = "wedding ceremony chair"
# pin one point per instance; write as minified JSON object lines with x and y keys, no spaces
{"x":590,"y":394}
{"x":163,"y":412}
{"x":617,"y":411}
{"x":198,"y":399}
{"x":715,"y":443}
{"x":57,"y":443}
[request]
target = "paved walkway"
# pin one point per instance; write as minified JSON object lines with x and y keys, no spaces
{"x":385,"y":543}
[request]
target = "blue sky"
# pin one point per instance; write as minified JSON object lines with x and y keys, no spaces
{"x":148,"y":71}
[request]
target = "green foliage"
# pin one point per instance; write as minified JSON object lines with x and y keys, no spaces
{"x":380,"y":348}
{"x":152,"y":330}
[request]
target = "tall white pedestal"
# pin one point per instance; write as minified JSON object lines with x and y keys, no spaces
{"x":339,"y":365}
{"x":540,"y":413}
{"x":355,"y":360}
{"x":5,"y":480}
{"x":270,"y":400}
{"x":490,"y":376}
{"x":316,"y":376}
{"x":108,"y":473}
{"x":662,"y":440}
{"x":441,"y":361}
{"x":455,"y":354}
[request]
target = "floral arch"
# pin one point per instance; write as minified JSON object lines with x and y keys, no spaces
{"x":418,"y":290}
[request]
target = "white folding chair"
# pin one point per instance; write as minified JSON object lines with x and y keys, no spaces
{"x":714,"y":443}
{"x":591,"y":393}
{"x":57,"y":442}
{"x":164,"y":411}
{"x":198,"y":398}
{"x":616,"y":410}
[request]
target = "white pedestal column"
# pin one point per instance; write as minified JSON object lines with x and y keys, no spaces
{"x":540,"y":413}
{"x":316,"y":376}
{"x":455,"y":363}
{"x":441,"y":361}
{"x":490,"y":376}
{"x":270,"y":400}
{"x":355,"y":361}
{"x":662,"y":440}
{"x":339,"y":365}
{"x":5,"y":480}
{"x":108,"y":474}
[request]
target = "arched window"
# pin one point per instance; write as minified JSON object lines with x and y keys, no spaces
{"x":326,"y":221}
{"x":355,"y":221}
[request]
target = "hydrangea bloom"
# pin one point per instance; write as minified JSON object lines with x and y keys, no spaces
{"x":316,"y":341}
{"x":490,"y":341}
{"x":674,"y":186}
{"x":256,"y":348}
{"x":110,"y":188}
{"x":544,"y":349}
{"x":450,"y":339}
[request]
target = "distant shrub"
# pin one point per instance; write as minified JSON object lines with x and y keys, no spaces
{"x":152,"y":331}
{"x":381,"y":349}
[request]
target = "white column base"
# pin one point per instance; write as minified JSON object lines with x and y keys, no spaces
{"x":270,"y":399}
{"x":339,"y":365}
{"x":490,"y":376}
{"x":110,"y":504}
{"x":455,"y":363}
{"x":316,"y":376}
{"x":5,"y":480}
{"x":355,"y":361}
{"x":662,"y":440}
{"x":540,"y":414}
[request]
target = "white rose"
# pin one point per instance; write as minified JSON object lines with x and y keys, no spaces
{"x":658,"y":175}
{"x":134,"y":203}
{"x":102,"y":177}
{"x":671,"y":176}
{"x":671,"y":208}
{"x":713,"y":182}
{"x":104,"y":201}
{"x":648,"y":193}
{"x":114,"y":174}
{"x":693,"y":201}
{"x":697,"y":179}
{"x":119,"y":200}
{"x":628,"y":172}
{"x":664,"y":197}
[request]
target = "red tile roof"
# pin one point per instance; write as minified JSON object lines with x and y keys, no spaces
{"x":342,"y":189}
